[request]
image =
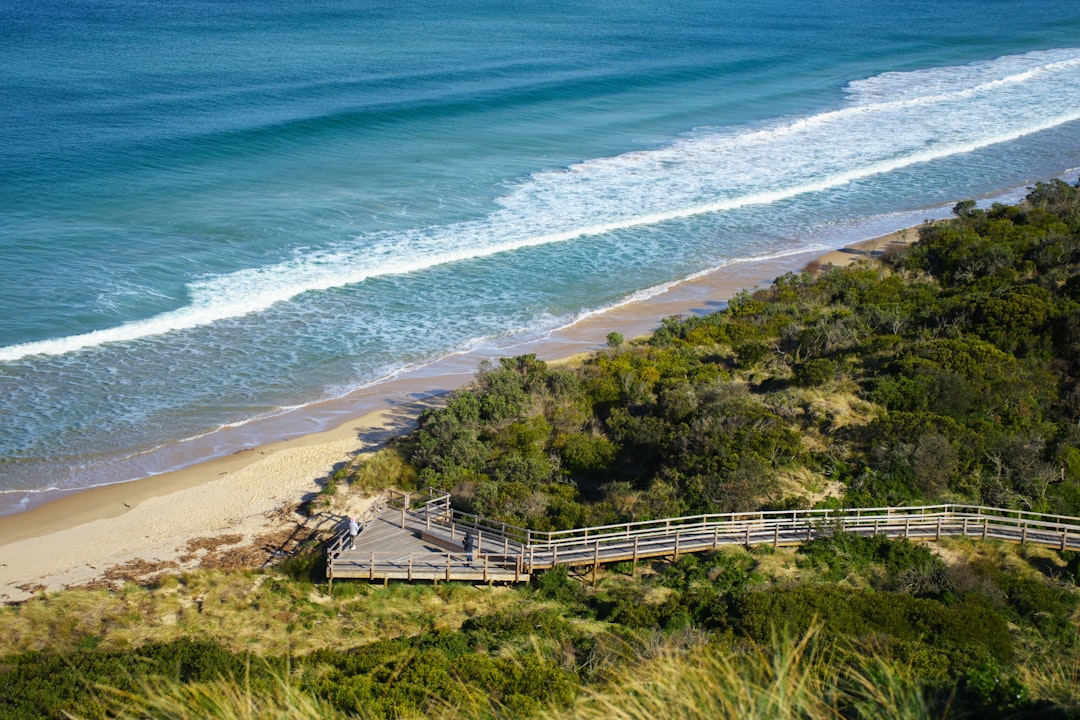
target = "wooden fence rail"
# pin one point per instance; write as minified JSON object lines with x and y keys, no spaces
{"x":509,"y":553}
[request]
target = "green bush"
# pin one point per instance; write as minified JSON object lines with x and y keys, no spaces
{"x":842,"y":554}
{"x":556,"y":584}
{"x":941,"y":639}
{"x":814,"y":372}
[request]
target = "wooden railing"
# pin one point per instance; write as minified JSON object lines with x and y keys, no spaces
{"x":372,"y":511}
{"x":520,"y":552}
{"x":489,"y":567}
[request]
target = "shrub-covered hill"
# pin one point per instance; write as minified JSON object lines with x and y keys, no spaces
{"x":945,"y":372}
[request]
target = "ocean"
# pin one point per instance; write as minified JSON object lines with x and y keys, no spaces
{"x":215,"y":212}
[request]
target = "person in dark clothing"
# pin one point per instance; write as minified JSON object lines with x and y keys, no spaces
{"x":467,"y":543}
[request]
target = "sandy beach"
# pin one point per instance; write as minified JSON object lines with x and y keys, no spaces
{"x":242,"y":510}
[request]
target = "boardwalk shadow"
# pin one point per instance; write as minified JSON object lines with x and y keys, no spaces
{"x":708,"y":308}
{"x":401,"y":418}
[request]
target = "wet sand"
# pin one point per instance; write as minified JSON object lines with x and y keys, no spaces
{"x":75,"y":539}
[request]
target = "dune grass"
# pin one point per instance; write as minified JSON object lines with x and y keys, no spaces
{"x":800,"y":678}
{"x":243,"y":611}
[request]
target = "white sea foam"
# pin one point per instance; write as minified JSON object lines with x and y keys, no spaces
{"x":890,"y":121}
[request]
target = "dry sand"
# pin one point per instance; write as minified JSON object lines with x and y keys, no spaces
{"x":241,"y":510}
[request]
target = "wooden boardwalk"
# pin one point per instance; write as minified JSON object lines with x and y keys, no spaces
{"x":406,"y":540}
{"x":399,"y":544}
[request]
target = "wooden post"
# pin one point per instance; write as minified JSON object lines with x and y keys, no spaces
{"x":595,"y":562}
{"x":748,"y":535}
{"x":486,"y":578}
{"x":716,"y":536}
{"x":937,"y":535}
{"x":1023,"y":535}
{"x":907,"y":527}
{"x":677,"y":534}
{"x":371,"y":567}
{"x":986,"y":523}
{"x":410,"y":567}
{"x":876,"y":526}
{"x":1064,"y":539}
{"x":809,"y":529}
{"x":965,"y":527}
{"x":776,"y":536}
{"x":448,"y":558}
{"x":633,"y":566}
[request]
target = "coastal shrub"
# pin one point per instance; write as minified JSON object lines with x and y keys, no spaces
{"x":587,"y":456}
{"x":724,"y":571}
{"x":996,"y":690}
{"x":556,"y":584}
{"x":940,"y":639}
{"x":814,"y":372}
{"x":628,"y":605}
{"x":843,"y":554}
{"x":1040,"y":601}
{"x":521,"y":468}
{"x":448,"y":438}
{"x":491,"y":662}
{"x":494,"y":630}
{"x":49,"y":685}
{"x":751,"y":353}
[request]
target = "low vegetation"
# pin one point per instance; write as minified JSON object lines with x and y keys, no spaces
{"x":945,"y":372}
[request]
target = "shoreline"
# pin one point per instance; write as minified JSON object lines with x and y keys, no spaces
{"x":151,"y":524}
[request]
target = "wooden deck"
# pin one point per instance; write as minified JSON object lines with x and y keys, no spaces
{"x":403,"y":545}
{"x":403,"y":540}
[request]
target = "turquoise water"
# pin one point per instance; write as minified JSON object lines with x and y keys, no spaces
{"x":216,"y":211}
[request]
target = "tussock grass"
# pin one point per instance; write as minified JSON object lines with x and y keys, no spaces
{"x":801,"y":678}
{"x":242,"y":611}
{"x":221,"y":700}
{"x":1056,"y":680}
{"x":785,"y":681}
{"x":789,"y":678}
{"x":382,"y":469}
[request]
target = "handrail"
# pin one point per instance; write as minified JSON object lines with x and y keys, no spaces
{"x":529,"y":550}
{"x":823,"y":516}
{"x":372,"y":511}
{"x":731,"y":521}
